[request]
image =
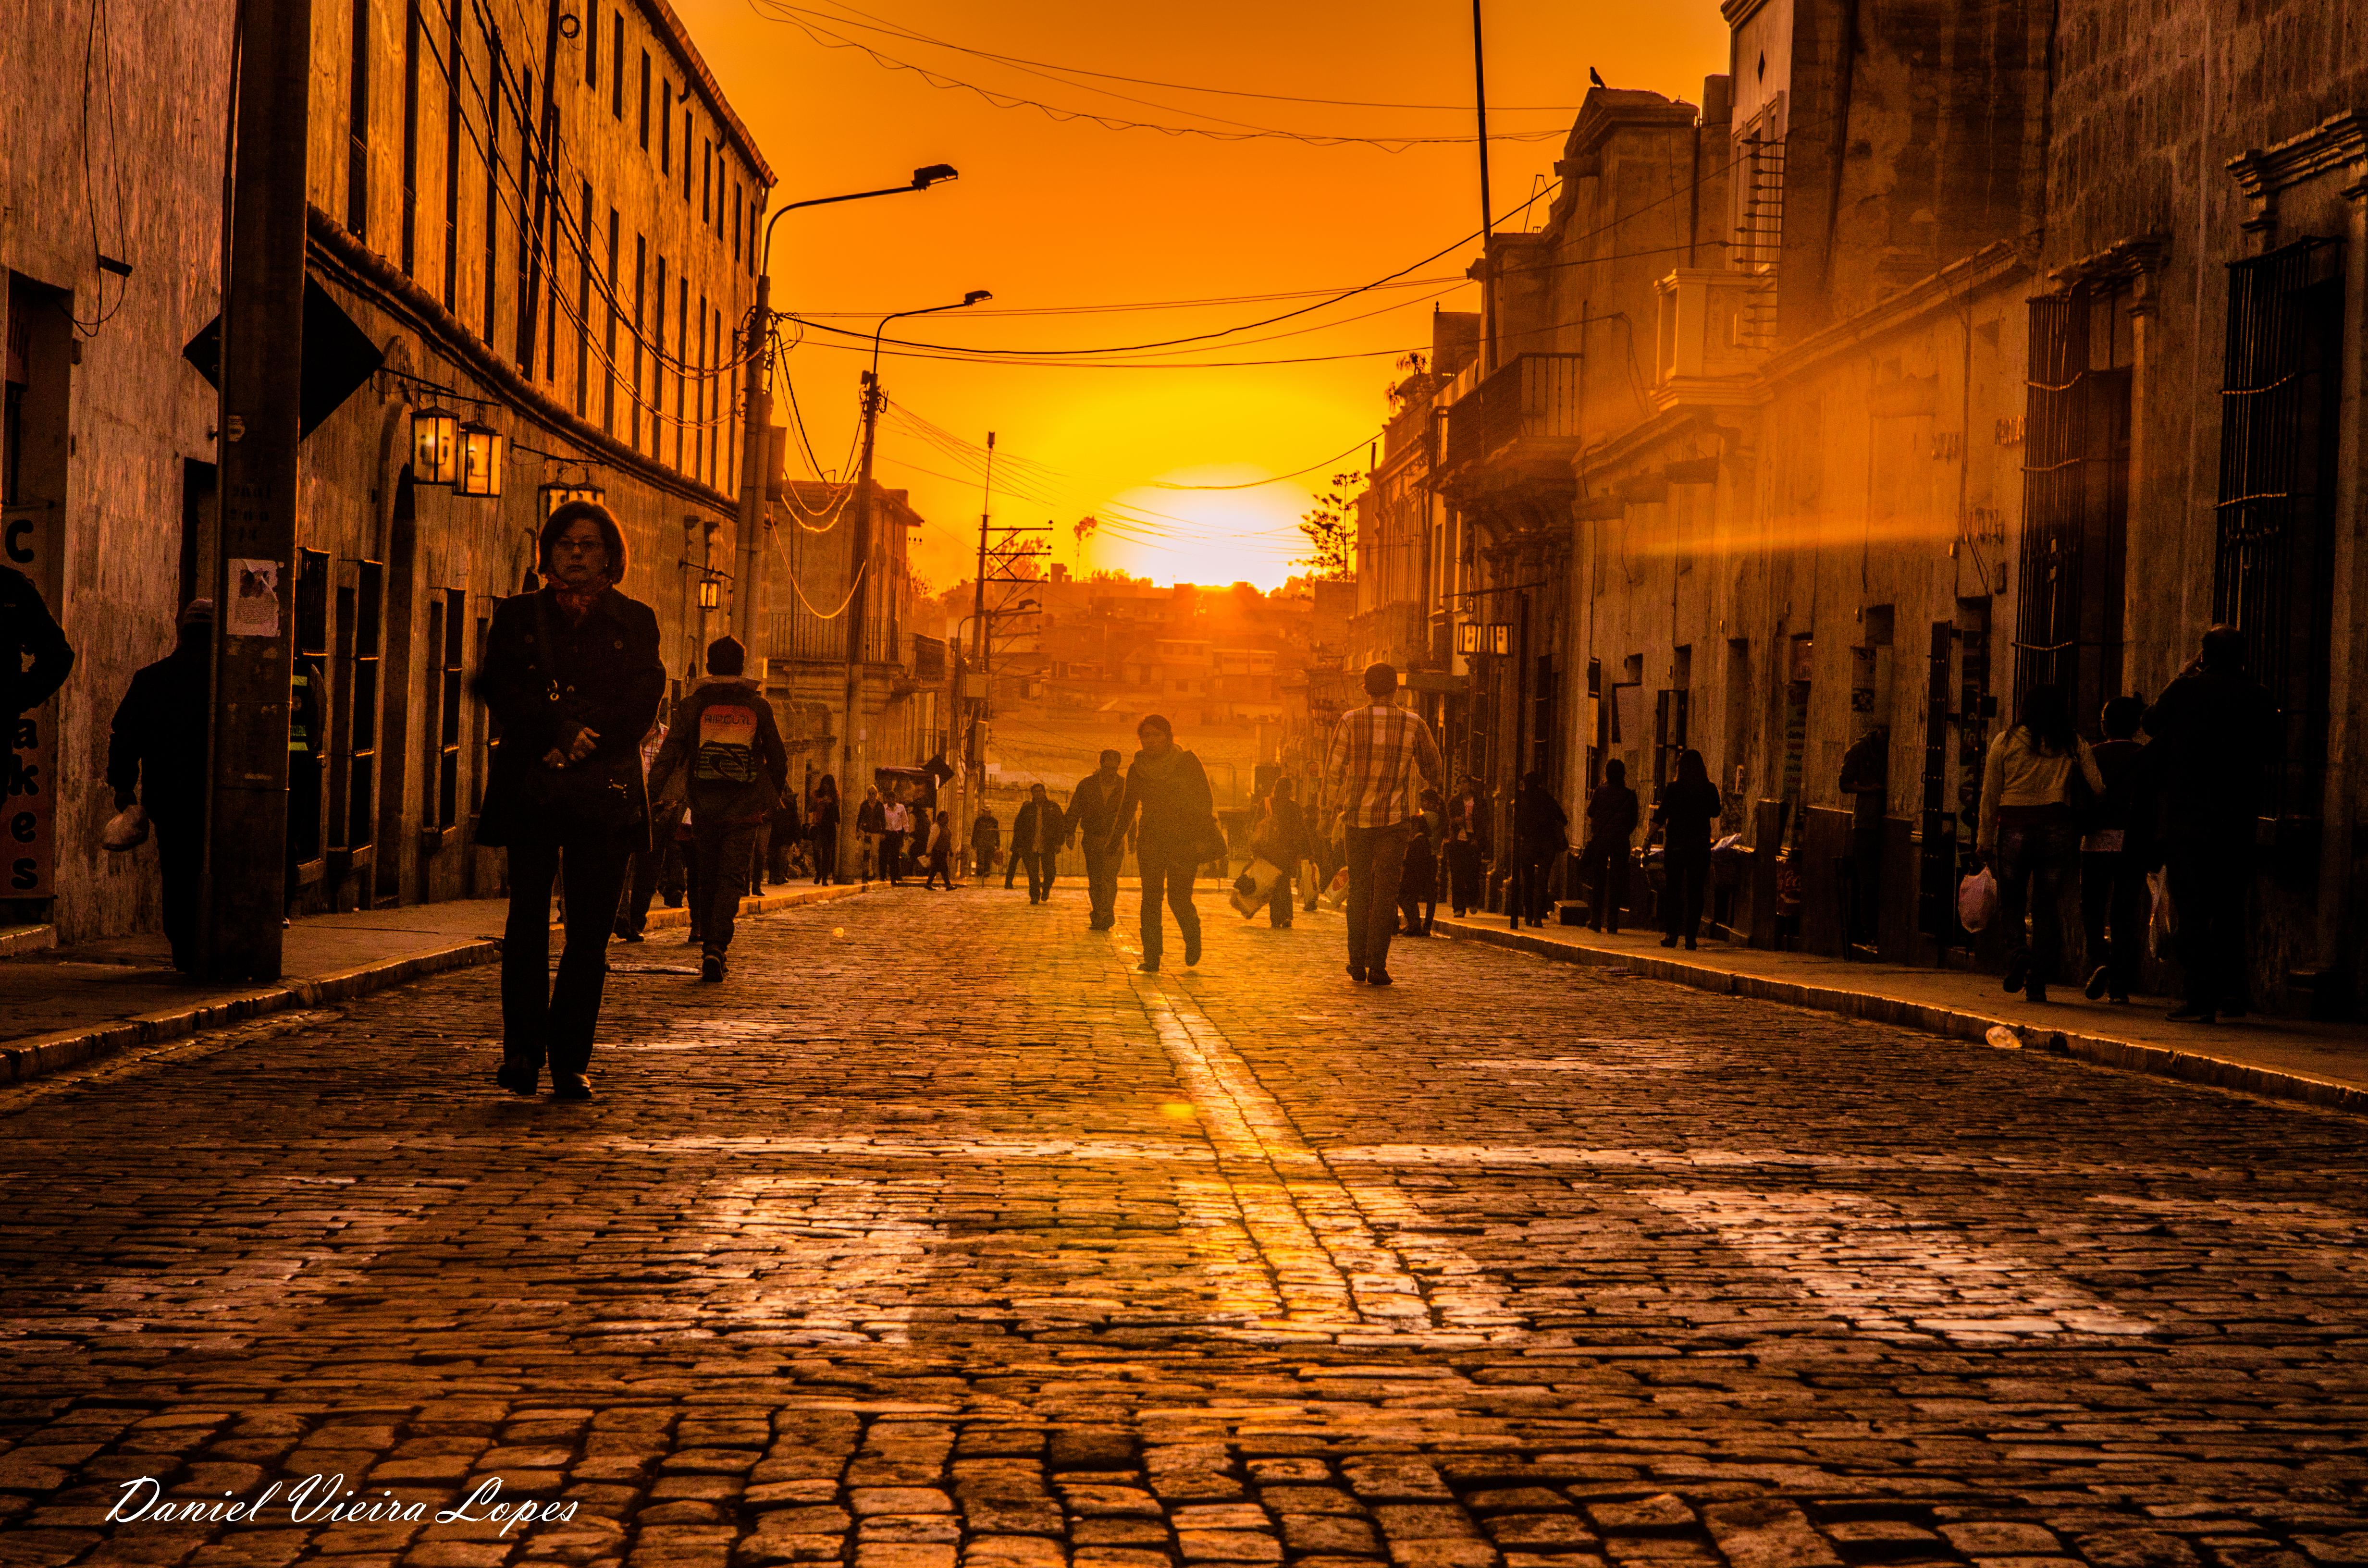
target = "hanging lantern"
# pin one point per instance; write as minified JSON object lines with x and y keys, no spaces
{"x":435,"y":446}
{"x":484,"y":449}
{"x":711,"y":593}
{"x":554,"y":496}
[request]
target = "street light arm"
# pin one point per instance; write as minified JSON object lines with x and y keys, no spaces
{"x":973,"y":297}
{"x":922,"y":179}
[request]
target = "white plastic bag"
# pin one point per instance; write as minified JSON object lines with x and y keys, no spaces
{"x":127,"y":830}
{"x":1977,"y":901}
{"x":1337,"y":896}
{"x":2162,"y":925}
{"x":1262,"y":875}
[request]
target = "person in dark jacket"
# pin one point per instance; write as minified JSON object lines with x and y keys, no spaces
{"x":572,"y":676}
{"x":156,"y":755}
{"x":1418,"y":887}
{"x":1541,"y":835}
{"x":2116,"y":857}
{"x":27,"y":631}
{"x":1688,"y":808}
{"x":871,"y":825}
{"x":1467,"y":847}
{"x":985,"y":843}
{"x":2215,"y":733}
{"x":723,"y":755}
{"x":940,"y":856}
{"x":1093,"y":806}
{"x":1611,"y":825}
{"x":1036,"y":835}
{"x":1866,"y":780}
{"x":1282,"y":839}
{"x":822,"y":830}
{"x":1168,"y":789}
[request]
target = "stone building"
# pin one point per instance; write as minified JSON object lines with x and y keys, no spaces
{"x":537,"y":218}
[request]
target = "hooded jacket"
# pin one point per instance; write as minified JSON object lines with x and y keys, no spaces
{"x":723,"y":753}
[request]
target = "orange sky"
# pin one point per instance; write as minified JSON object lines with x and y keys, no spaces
{"x":1049,"y":214}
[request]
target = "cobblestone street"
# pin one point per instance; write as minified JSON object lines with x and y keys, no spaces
{"x":936,"y":1236}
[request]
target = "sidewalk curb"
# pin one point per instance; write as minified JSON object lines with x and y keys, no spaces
{"x":40,"y":1055}
{"x":2161,"y":1061}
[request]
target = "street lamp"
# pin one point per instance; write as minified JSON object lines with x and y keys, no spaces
{"x":976,"y":296}
{"x":483,"y":451}
{"x":435,"y":446}
{"x":757,"y":435}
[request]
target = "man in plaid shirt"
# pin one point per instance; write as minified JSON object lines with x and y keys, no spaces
{"x":1376,"y":753}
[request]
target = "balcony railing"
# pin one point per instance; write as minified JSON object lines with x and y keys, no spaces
{"x":1535,"y":398}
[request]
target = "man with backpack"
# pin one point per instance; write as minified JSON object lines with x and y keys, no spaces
{"x":723,"y":753}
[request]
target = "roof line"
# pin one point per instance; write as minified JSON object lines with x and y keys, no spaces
{"x":668,"y":25}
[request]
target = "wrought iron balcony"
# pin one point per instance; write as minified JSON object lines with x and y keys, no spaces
{"x":1527,"y":410}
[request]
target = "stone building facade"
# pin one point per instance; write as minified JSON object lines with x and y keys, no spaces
{"x":539,"y":218}
{"x":1960,"y":348}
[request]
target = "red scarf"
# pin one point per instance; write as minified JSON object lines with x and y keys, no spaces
{"x":576,"y":603}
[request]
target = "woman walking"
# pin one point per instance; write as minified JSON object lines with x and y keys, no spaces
{"x":2026,"y":830}
{"x":1541,"y":835}
{"x":822,"y":830}
{"x":1689,"y":806}
{"x":1168,"y":785}
{"x":572,"y":674}
{"x":1466,"y":849}
{"x":942,"y":854}
{"x":1418,"y":886}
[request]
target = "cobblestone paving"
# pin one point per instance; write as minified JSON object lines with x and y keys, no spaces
{"x":938,"y":1238}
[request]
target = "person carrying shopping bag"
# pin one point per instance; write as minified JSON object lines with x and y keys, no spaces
{"x":2029,"y":830}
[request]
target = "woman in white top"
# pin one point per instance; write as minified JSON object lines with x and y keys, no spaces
{"x":2028,"y":833}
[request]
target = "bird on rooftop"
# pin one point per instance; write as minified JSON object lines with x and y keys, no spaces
{"x":1595,"y":77}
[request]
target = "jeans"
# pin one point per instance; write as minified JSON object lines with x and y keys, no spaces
{"x":540,"y":1017}
{"x":1462,"y":864}
{"x":2113,"y":894}
{"x":1101,"y":883}
{"x":1606,"y":866}
{"x":1687,"y":877}
{"x":2034,"y":850}
{"x":724,"y":853}
{"x":1176,"y":882}
{"x":1039,"y":875}
{"x":1376,"y":862}
{"x":1278,"y":906}
{"x":892,"y":857}
{"x":2207,"y":888}
{"x":181,"y":865}
{"x":1531,"y":888}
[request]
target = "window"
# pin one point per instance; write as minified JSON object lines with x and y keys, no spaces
{"x":706,"y":178}
{"x":756,"y":229}
{"x":645,"y":100}
{"x":584,"y":303}
{"x":735,"y":219}
{"x":454,"y":605}
{"x":2273,"y":572}
{"x":617,"y":68}
{"x":453,"y":164}
{"x":358,"y":640}
{"x":431,"y":728}
{"x":493,"y":188}
{"x":640,"y":265}
{"x":665,"y":128}
{"x":411,"y":25}
{"x":481,"y":741}
{"x":682,"y":353}
{"x":685,"y":151}
{"x":2075,"y":497}
{"x":698,"y":440}
{"x":608,"y":372}
{"x":592,"y":43}
{"x":358,"y":124}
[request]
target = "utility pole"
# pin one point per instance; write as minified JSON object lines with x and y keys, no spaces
{"x":755,"y":448}
{"x":1487,"y":208}
{"x":859,"y":557}
{"x":975,"y":762}
{"x":262,"y":371}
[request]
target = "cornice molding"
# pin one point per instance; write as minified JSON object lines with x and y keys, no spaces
{"x":2338,"y":142}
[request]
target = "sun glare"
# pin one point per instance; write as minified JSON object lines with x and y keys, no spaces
{"x":1200,"y":536}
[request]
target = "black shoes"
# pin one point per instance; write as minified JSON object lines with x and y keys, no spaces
{"x":2192,"y":1014}
{"x":711,"y":967}
{"x":570,"y":1086}
{"x":2035,"y":992}
{"x":1357,"y":973}
{"x":1191,"y":948}
{"x":1377,"y":977}
{"x":2098,"y":978}
{"x":627,"y":934}
{"x":2016,"y":973}
{"x":1148,"y":966}
{"x":1671,"y":940}
{"x":518,"y":1078}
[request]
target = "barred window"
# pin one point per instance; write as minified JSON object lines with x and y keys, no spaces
{"x":2274,"y":576}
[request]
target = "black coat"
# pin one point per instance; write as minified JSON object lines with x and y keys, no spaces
{"x":1178,"y":811}
{"x":156,"y":749}
{"x":1025,"y":826}
{"x":27,"y":626}
{"x":1092,"y":810}
{"x":1688,"y":808}
{"x":2215,"y":738}
{"x":608,"y":678}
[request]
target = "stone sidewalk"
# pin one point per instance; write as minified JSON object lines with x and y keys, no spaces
{"x":2283,"y":1058}
{"x":61,"y":1007}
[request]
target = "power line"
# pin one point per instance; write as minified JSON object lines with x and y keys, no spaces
{"x":1278,"y":479}
{"x":879,"y":24}
{"x":828,"y":39}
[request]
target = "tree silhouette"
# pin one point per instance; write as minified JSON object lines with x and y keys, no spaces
{"x":1328,"y":530}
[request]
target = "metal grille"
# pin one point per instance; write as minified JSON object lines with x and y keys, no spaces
{"x":1534,"y":398}
{"x":2274,"y":576}
{"x":2075,"y":507}
{"x":1759,"y":236}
